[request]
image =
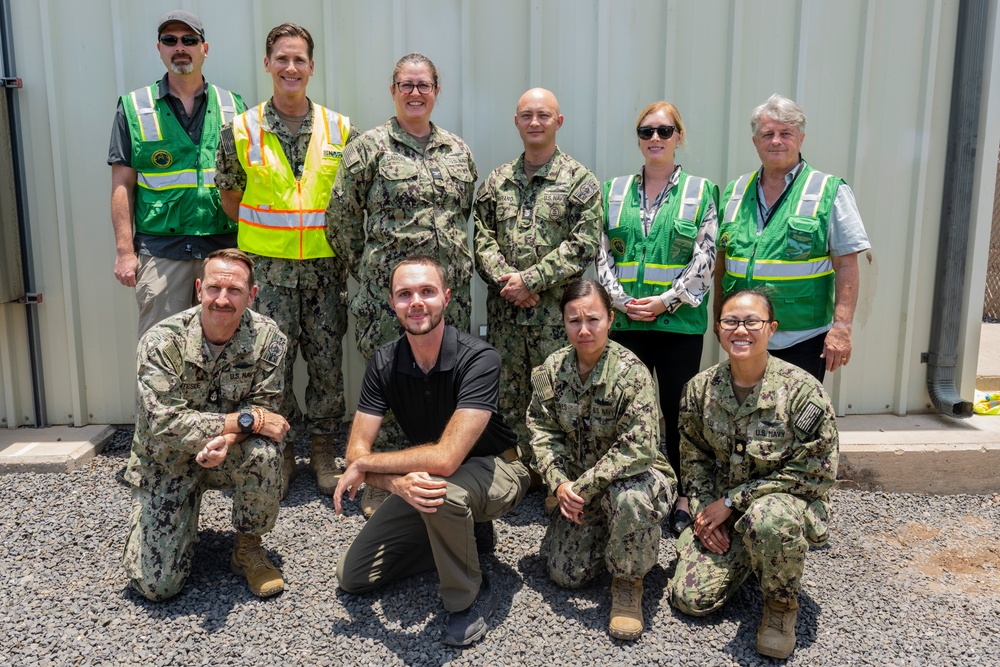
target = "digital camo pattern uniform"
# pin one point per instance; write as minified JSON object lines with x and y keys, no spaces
{"x":183,"y":398}
{"x":776,"y":455}
{"x":602,"y":435}
{"x":547,"y":229}
{"x":307,"y":298}
{"x":417,"y":202}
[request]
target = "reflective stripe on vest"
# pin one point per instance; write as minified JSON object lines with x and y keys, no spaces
{"x":168,"y":180}
{"x":265,"y":216}
{"x":619,"y":188}
{"x":662,"y":274}
{"x":691,"y":199}
{"x":767,"y":269}
{"x":737,"y":196}
{"x":145,"y":108}
{"x":811,"y":193}
{"x":227,"y":105}
{"x":627,"y":272}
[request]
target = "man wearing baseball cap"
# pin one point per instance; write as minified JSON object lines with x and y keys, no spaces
{"x":164,"y":205}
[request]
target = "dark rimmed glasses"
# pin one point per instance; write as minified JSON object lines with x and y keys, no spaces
{"x":645,"y":132}
{"x":186,"y":40}
{"x":407,"y":87}
{"x":752,"y":324}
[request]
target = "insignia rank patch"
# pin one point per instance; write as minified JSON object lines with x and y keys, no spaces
{"x":273,"y":353}
{"x":543,"y":386}
{"x":809,"y":419}
{"x":587,"y":189}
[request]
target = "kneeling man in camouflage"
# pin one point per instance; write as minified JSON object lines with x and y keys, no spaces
{"x":209,"y":383}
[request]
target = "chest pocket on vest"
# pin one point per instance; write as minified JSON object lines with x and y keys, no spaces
{"x":800,"y":237}
{"x":332,"y":155}
{"x":682,"y":241}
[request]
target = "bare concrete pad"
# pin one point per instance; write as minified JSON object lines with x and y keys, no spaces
{"x":920,"y":453}
{"x":52,"y":449}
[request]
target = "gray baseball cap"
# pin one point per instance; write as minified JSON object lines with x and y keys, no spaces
{"x":181,"y":16}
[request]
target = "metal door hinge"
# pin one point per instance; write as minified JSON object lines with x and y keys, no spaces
{"x":31,"y":298}
{"x":11,"y":82}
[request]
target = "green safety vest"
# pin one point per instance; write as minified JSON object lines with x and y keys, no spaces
{"x":176,"y":194}
{"x":279,"y":215}
{"x":648,"y":265}
{"x":789,"y":258}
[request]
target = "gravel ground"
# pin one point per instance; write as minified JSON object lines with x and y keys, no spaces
{"x":906,"y":580}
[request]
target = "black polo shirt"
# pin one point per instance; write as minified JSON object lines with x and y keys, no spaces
{"x":467,"y":375}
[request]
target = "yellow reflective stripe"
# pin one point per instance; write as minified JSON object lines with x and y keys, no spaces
{"x":227,"y":104}
{"x":661,"y":274}
{"x":737,"y":266}
{"x":208,"y":178}
{"x":619,"y":188}
{"x":691,"y":200}
{"x":800,"y":270}
{"x":283,"y":220}
{"x":811,"y":194}
{"x":737,"y":196}
{"x":627,"y":272}
{"x":145,"y":109}
{"x":165,"y":180}
{"x":255,"y":136}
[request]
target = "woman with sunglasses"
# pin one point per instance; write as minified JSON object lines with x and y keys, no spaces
{"x":404,"y":188}
{"x":759,"y":449}
{"x":656,"y":259}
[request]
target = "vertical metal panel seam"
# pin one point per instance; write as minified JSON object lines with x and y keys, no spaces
{"x":399,"y":27}
{"x":71,"y":303}
{"x":263,"y":80}
{"x":732,"y":92}
{"x":467,"y":99}
{"x":918,"y":206}
{"x":602,"y":82}
{"x":800,"y":56}
{"x":117,"y":37}
{"x":535,"y":43}
{"x":8,"y":352}
{"x":669,"y":45}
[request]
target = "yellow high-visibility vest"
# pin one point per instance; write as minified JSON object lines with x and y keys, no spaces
{"x":281,"y":216}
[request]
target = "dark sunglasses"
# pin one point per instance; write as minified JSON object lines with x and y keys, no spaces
{"x":645,"y":132}
{"x":186,"y":40}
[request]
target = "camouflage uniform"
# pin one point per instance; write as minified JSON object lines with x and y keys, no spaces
{"x":602,"y":435}
{"x":184,"y":396}
{"x":307,"y":298}
{"x":547,"y":229}
{"x":776,"y":456}
{"x":417,"y":202}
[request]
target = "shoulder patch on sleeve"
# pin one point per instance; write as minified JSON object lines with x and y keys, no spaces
{"x":274,"y":351}
{"x":351,"y":156}
{"x":227,"y":140}
{"x":542,"y":384}
{"x":808,"y":419}
{"x":586,"y":191}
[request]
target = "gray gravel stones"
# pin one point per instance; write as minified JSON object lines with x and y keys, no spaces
{"x":906,"y":580}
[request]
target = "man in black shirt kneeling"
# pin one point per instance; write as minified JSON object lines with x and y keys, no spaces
{"x":459,"y":468}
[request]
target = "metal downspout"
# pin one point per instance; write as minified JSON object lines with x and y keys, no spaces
{"x":24,"y":229}
{"x":956,"y":209}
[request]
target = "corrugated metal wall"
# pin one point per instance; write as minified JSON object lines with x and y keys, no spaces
{"x":873,"y":76}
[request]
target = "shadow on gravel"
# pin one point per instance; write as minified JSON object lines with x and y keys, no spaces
{"x":414,"y":615}
{"x":212,"y":591}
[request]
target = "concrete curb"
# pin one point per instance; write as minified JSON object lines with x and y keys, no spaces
{"x":53,"y":449}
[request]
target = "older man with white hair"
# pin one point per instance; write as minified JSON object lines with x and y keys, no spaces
{"x":798,"y":232}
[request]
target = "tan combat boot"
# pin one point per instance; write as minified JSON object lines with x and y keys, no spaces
{"x":287,"y":466}
{"x":776,"y":637}
{"x":626,"y":608}
{"x":249,"y":560}
{"x":371,"y":499}
{"x":321,"y":462}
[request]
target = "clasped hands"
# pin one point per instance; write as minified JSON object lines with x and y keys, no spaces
{"x":710,"y":527}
